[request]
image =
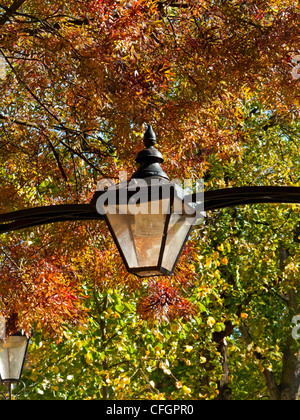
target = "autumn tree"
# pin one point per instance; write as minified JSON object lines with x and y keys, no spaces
{"x":215,"y":79}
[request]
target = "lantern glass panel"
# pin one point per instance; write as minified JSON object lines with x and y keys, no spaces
{"x":178,"y":230}
{"x":139,"y":231}
{"x":149,"y":227}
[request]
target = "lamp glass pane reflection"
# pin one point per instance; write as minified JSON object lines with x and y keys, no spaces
{"x":13,"y":351}
{"x":150,"y":235}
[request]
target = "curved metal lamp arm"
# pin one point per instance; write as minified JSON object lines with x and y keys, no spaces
{"x":231,"y":197}
{"x":213,"y":200}
{"x":10,"y":222}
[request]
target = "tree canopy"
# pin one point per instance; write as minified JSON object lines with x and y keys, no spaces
{"x":218,"y":80}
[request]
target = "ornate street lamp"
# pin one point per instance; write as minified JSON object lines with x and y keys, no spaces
{"x":13,"y":351}
{"x":149,"y":241}
{"x":148,"y":217}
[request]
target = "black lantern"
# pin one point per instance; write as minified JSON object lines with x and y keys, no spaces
{"x":148,"y":217}
{"x":13,"y":351}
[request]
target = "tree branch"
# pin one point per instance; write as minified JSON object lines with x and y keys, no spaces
{"x":271,"y":384}
{"x":218,"y":338}
{"x":56,"y":155}
{"x":267,"y":374}
{"x":11,"y":11}
{"x":19,"y":122}
{"x":22,"y":83}
{"x":60,"y":127}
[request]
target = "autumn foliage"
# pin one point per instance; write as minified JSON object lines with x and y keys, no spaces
{"x":214,"y":78}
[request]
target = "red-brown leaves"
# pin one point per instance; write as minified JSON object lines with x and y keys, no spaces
{"x":83,"y":79}
{"x":164,"y":302}
{"x":39,"y":288}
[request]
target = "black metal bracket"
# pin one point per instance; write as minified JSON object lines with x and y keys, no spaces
{"x":213,"y":200}
{"x":231,"y":197}
{"x":37,"y":216}
{"x":9,"y":395}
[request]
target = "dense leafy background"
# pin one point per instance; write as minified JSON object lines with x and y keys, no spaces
{"x":214,"y":79}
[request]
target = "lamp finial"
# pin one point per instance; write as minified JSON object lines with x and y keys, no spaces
{"x":149,"y":137}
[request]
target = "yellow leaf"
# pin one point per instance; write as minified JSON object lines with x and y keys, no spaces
{"x":55,"y":369}
{"x":126,"y":381}
{"x":211,"y":321}
{"x":208,"y":262}
{"x":175,"y":328}
{"x":186,"y":390}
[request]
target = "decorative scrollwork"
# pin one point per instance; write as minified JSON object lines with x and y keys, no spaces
{"x":11,"y":386}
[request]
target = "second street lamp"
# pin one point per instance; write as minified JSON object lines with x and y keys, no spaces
{"x":13,"y":351}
